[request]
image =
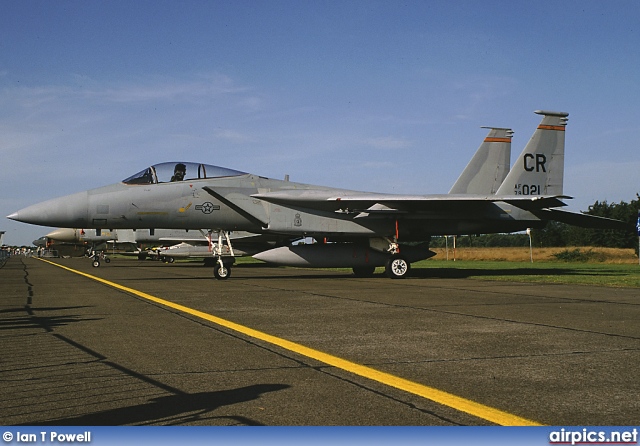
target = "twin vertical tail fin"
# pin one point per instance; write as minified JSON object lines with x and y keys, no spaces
{"x":489,"y":166}
{"x":539,"y":170}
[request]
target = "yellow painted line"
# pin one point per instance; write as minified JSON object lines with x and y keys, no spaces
{"x":447,"y":399}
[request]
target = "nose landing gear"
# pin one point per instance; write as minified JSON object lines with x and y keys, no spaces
{"x":223,"y":255}
{"x":96,"y":256}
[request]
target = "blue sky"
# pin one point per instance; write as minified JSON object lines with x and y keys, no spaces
{"x":385,"y":96}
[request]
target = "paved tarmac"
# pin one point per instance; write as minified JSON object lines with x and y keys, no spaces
{"x":75,"y":351}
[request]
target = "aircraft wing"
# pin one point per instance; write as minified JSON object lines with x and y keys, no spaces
{"x":389,"y":203}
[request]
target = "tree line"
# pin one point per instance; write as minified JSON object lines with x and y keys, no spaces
{"x":556,"y":234}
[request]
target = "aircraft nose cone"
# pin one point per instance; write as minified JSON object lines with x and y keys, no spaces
{"x":63,"y":235}
{"x":70,"y":212}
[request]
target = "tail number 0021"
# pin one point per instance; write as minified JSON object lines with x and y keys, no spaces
{"x":527,"y":189}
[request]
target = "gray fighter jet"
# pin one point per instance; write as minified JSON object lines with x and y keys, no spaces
{"x":483,"y":175}
{"x":360,"y":230}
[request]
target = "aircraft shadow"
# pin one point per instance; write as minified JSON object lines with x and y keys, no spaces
{"x":174,"y":409}
{"x":463,"y":273}
{"x":415,"y":273}
{"x":22,"y":309}
{"x":435,"y":273}
{"x":30,"y":320}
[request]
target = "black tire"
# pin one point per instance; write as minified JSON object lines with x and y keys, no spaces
{"x":397,"y":267}
{"x":364,"y":271}
{"x":107,"y":259}
{"x":222,"y":272}
{"x":95,"y":263}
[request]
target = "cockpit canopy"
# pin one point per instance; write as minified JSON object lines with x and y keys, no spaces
{"x":179,"y":171}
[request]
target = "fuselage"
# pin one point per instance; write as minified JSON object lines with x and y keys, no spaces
{"x":191,"y":204}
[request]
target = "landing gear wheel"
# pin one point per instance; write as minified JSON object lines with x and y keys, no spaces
{"x":107,"y":259}
{"x":222,"y":271}
{"x":95,"y":263}
{"x":397,"y":267}
{"x":363,"y":271}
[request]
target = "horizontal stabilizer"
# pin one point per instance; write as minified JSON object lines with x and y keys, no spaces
{"x":536,"y":202}
{"x":584,"y":220}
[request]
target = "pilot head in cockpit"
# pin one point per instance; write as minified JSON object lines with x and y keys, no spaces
{"x":179,"y":172}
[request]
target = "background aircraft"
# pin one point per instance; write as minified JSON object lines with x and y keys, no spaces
{"x":364,"y":229}
{"x":53,"y":248}
{"x":4,"y":253}
{"x":124,"y":239}
{"x":164,"y":244}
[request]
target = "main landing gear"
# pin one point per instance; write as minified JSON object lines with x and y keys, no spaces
{"x":397,"y":266}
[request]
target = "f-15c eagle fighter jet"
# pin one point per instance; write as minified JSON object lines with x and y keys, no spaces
{"x":360,"y":230}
